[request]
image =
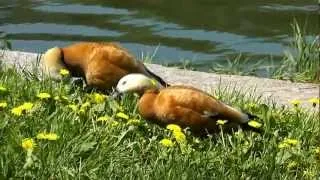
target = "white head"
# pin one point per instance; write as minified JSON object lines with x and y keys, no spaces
{"x":136,"y":83}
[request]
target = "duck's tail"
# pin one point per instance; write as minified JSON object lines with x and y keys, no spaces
{"x":51,"y":62}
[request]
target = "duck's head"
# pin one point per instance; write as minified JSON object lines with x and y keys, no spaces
{"x":136,"y":83}
{"x":51,"y":62}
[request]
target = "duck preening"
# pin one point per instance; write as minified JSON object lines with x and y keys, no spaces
{"x":101,"y":65}
{"x":182,"y":105}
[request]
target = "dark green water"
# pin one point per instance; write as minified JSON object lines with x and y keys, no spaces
{"x":204,"y":31}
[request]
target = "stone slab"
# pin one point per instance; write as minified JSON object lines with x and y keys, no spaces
{"x":279,"y":91}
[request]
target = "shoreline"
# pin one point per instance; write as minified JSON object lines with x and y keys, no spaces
{"x":271,"y":90}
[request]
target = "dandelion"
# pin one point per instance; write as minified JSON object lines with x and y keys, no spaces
{"x":287,"y":143}
{"x":221,"y":122}
{"x":314,"y":101}
{"x":27,"y":106}
{"x":114,"y":124}
{"x":44,"y":96}
{"x":64,"y":72}
{"x":98,"y":98}
{"x":295,"y":102}
{"x":56,"y":98}
{"x":3,"y":105}
{"x":48,"y":136}
{"x":28,"y":144}
{"x":17,"y":111}
{"x":283,"y":145}
{"x":84,"y":107}
{"x":291,"y":141}
{"x":73,"y":107}
{"x":252,"y":105}
{"x":122,"y":115}
{"x":179,"y":136}
{"x":103,"y":118}
{"x":254,"y":124}
{"x":166,"y":143}
{"x":3,"y":89}
{"x":317,"y":150}
{"x":61,"y":98}
{"x":174,"y":127}
{"x":292,"y":165}
{"x":134,"y":122}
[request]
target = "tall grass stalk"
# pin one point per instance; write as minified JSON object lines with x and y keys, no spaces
{"x":302,"y":63}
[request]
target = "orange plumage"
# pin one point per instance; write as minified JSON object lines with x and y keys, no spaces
{"x":101,"y":64}
{"x":182,"y":105}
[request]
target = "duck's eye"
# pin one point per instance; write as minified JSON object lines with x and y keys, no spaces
{"x":124,"y":82}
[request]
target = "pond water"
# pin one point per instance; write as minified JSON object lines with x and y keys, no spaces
{"x":202,"y":31}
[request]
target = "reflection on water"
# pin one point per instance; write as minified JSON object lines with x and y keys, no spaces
{"x":204,"y":31}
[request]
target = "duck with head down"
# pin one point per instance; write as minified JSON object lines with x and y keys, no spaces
{"x":102,"y":65}
{"x":182,"y":105}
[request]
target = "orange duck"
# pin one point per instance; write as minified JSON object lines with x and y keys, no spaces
{"x":182,"y":105}
{"x":102,"y":65}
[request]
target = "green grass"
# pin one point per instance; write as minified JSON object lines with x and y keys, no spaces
{"x":118,"y":149}
{"x":237,"y":66}
{"x":302,"y":63}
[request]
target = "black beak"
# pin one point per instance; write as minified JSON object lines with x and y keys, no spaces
{"x":115,"y":94}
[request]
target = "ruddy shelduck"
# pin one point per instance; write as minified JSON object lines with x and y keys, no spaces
{"x":182,"y":105}
{"x":101,"y":65}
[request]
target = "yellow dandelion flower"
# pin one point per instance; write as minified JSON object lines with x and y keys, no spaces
{"x":85,"y":105}
{"x":64,"y":72}
{"x":3,"y":105}
{"x":103,"y":118}
{"x":295,"y":102}
{"x":48,"y":136}
{"x":17,"y":111}
{"x":41,"y":136}
{"x":283,"y":145}
{"x":44,"y":96}
{"x":64,"y":98}
{"x":252,"y":105}
{"x":317,"y":150}
{"x":221,"y":122}
{"x":27,"y":106}
{"x":114,"y":124}
{"x":98,"y":98}
{"x":290,"y":141}
{"x":56,"y":98}
{"x":73,"y":107}
{"x":292,"y":165}
{"x":28,"y":144}
{"x":314,"y":101}
{"x":166,"y":143}
{"x":3,"y":89}
{"x":254,"y":124}
{"x":52,"y":136}
{"x":122,"y":115}
{"x":179,"y":136}
{"x":174,"y":127}
{"x":61,"y":98}
{"x":134,"y":122}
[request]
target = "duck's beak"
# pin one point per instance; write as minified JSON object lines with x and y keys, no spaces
{"x":115,"y":94}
